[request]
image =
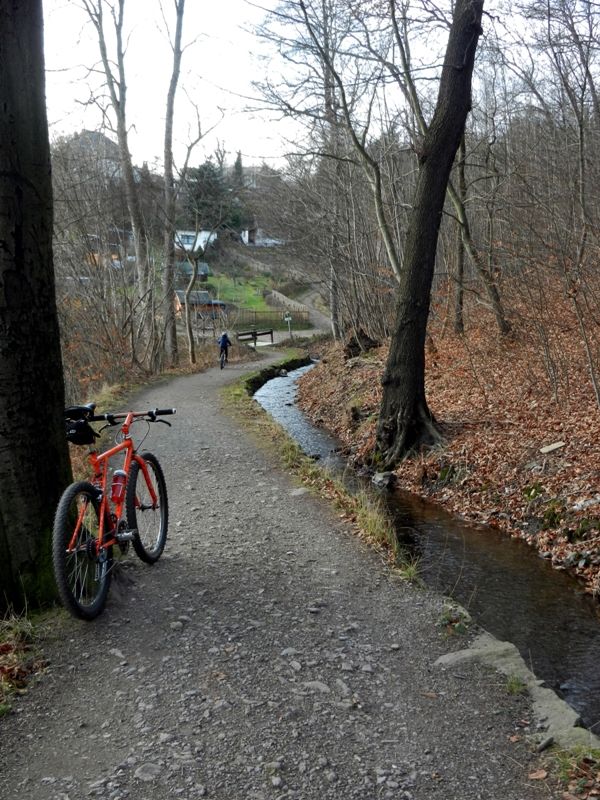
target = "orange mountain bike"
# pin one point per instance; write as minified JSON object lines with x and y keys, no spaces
{"x":115,"y":507}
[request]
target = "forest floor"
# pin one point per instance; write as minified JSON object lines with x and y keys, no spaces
{"x":520,"y":434}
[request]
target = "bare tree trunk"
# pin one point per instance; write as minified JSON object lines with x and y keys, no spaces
{"x":459,"y":275}
{"x":484,"y":273}
{"x":169,"y":235}
{"x":458,"y":316}
{"x":332,"y":136}
{"x":334,"y":303}
{"x":405,"y":421}
{"x":188,"y":314}
{"x":458,"y":199}
{"x":117,"y":90}
{"x":34,"y":460}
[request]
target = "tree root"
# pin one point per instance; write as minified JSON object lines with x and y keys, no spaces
{"x":403,"y":435}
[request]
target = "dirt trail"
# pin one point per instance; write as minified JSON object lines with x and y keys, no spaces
{"x":268,"y":654}
{"x":320,"y":322}
{"x":311,"y":300}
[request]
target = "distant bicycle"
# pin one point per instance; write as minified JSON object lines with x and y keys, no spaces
{"x":94,"y":516}
{"x":224,"y":343}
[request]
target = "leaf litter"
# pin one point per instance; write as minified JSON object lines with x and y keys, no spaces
{"x":519,"y":453}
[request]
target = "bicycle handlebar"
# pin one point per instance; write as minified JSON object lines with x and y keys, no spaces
{"x":162,"y":412}
{"x":150,"y":415}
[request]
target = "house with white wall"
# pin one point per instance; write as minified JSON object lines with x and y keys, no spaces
{"x":193,"y":243}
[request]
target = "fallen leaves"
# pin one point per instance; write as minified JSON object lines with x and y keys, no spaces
{"x":515,"y":457}
{"x":538,"y":775}
{"x":583,"y":778}
{"x":18,"y":659}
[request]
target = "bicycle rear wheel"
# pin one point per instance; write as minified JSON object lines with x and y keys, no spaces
{"x":222,"y":359}
{"x":150,"y":519}
{"x":82,"y":573}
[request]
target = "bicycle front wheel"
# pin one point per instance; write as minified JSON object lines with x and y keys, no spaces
{"x":82,"y":572}
{"x":147,"y":509}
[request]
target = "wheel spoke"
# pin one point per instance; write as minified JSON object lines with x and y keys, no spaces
{"x":147,"y":511}
{"x":82,"y":575}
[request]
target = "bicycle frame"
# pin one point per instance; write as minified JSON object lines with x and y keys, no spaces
{"x":108,"y":511}
{"x":100,"y":466}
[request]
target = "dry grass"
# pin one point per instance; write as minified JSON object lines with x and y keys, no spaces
{"x":19,"y":658}
{"x":363,"y":510}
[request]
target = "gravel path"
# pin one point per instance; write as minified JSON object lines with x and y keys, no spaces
{"x":268,"y":655}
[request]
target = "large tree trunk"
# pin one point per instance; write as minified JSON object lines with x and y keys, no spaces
{"x":34,"y":460}
{"x":458,"y":199}
{"x":405,"y":421}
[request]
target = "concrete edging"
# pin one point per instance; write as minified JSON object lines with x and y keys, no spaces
{"x":254,"y":382}
{"x":559,"y":720}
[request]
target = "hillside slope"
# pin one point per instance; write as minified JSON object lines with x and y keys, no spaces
{"x":513,"y":457}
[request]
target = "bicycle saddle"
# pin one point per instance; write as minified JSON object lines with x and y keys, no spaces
{"x":80,"y":412}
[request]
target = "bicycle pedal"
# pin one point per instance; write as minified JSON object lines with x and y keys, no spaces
{"x":126,"y":536}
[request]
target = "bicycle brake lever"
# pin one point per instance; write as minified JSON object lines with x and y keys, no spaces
{"x":164,"y":422}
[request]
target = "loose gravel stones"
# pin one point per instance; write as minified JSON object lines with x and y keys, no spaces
{"x":268,"y":654}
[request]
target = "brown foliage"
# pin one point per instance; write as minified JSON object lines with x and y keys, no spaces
{"x":495,"y":403}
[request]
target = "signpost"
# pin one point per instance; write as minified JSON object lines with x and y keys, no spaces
{"x":288,"y":318}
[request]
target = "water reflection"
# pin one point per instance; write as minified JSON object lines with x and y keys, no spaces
{"x":513,"y":594}
{"x":508,"y":590}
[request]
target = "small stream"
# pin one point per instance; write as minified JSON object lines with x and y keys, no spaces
{"x":507,"y":589}
{"x":278,"y":398}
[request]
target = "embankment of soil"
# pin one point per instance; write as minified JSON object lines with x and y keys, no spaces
{"x":513,"y":458}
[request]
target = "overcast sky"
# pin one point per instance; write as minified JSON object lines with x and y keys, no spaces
{"x":217,"y":70}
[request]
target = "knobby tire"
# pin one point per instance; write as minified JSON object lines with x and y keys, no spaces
{"x":150,"y":522}
{"x":82,"y":575}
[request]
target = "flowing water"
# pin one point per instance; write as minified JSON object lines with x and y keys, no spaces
{"x":278,"y":397}
{"x":508,"y":590}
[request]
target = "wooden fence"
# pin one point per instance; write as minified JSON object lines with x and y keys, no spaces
{"x":235,"y":319}
{"x":244,"y":318}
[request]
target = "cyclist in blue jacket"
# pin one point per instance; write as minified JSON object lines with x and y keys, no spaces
{"x":224,"y":345}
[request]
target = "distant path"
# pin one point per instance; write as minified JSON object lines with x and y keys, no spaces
{"x":321,"y":322}
{"x":268,"y":655}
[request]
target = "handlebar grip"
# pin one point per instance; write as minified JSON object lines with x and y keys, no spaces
{"x":161,"y":412}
